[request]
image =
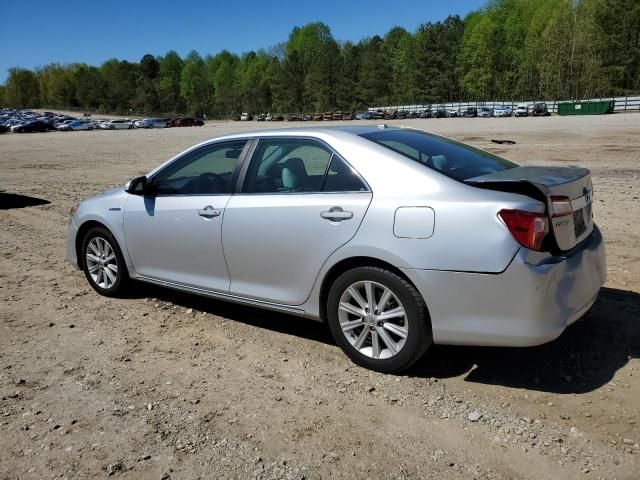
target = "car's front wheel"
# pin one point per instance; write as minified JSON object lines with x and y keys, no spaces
{"x":103,"y":263}
{"x":378,"y":319}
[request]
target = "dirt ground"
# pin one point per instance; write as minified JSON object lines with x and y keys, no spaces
{"x":166,"y":385}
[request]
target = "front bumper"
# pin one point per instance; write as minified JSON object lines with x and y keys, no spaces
{"x":530,"y":303}
{"x":72,"y":232}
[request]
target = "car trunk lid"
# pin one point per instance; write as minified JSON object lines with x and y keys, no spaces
{"x":547,"y":184}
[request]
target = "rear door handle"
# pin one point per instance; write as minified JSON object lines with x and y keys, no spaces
{"x":336,"y":214}
{"x":209,"y":212}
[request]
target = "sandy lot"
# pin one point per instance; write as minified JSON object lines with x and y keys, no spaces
{"x":165,"y":385}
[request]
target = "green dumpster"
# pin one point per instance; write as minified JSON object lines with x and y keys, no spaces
{"x":586,"y":108}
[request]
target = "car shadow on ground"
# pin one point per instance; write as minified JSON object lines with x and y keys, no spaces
{"x":270,"y":320}
{"x":585,"y":357}
{"x":14,"y":200}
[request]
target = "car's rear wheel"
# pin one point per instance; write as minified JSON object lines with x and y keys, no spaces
{"x":103,"y":262}
{"x":378,"y":319}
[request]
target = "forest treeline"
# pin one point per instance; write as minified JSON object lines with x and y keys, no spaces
{"x":509,"y":49}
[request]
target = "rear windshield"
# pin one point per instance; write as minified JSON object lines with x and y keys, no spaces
{"x":453,"y":159}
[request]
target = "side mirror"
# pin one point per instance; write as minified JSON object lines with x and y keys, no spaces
{"x":139,"y":186}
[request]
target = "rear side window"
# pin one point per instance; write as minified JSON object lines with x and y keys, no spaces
{"x":453,"y":159}
{"x":287,"y":165}
{"x":342,"y":178}
{"x":294,"y":165}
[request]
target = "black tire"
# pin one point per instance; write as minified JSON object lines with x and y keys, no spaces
{"x":419,"y":337}
{"x":111,"y":127}
{"x":122,"y":276}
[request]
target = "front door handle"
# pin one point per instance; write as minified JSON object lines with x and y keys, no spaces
{"x":336,"y":214}
{"x":209,"y":212}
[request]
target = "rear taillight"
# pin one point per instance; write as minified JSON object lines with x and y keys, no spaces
{"x":528,"y":228}
{"x":561,"y":206}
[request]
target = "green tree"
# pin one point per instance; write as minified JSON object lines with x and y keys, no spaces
{"x":221,"y":71}
{"x":436,"y":48}
{"x":193,"y":84}
{"x":119,"y":80}
{"x":347,"y":81}
{"x":22,"y":88}
{"x":313,"y":56}
{"x":146,"y":99}
{"x":168,"y":86}
{"x":374,"y":75}
{"x":619,"y":22}
{"x":399,"y":47}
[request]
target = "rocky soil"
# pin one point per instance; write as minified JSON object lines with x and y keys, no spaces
{"x":165,"y":385}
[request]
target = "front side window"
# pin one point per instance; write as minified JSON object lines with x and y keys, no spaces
{"x":206,"y":171}
{"x":453,"y":159}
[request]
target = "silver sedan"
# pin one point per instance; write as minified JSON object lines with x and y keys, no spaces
{"x":397,"y":238}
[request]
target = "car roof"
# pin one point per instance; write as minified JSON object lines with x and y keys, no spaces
{"x":335,"y":131}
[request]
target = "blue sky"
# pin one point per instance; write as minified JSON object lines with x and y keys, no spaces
{"x":37,"y":32}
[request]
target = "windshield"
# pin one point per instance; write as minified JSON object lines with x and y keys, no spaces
{"x":451,"y":158}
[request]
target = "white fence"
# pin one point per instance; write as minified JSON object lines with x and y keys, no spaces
{"x":623,"y":104}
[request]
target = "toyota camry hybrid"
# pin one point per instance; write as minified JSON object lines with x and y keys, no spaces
{"x":397,"y":238}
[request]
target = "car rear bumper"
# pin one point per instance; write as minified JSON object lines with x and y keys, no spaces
{"x":530,"y":303}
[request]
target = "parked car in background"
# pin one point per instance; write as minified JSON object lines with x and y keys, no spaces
{"x":187,"y":122}
{"x":502,"y":111}
{"x":401,"y":114}
{"x":294,"y":117}
{"x":540,"y":109}
{"x":77,"y":125}
{"x":63,"y":124}
{"x":327,"y":116}
{"x":245,"y":117}
{"x":348,"y":116}
{"x":486,"y":112}
{"x":522,"y":110}
{"x":318,"y":117}
{"x":31,"y":126}
{"x":470,"y":112}
{"x":337,"y":115}
{"x":413,"y":114}
{"x":440,"y":113}
{"x":364,"y":116}
{"x":351,"y":238}
{"x":147,"y":123}
{"x":123,"y":125}
{"x":307,"y":117}
{"x":378,"y":115}
{"x":390,"y":114}
{"x":453,"y":112}
{"x":261,"y":117}
{"x":427,"y":113}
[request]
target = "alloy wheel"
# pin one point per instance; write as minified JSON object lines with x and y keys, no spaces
{"x":102,"y":262}
{"x":373,"y":319}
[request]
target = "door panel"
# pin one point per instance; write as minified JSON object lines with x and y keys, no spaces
{"x":178,"y":239}
{"x":275,"y":244}
{"x":173,"y":226}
